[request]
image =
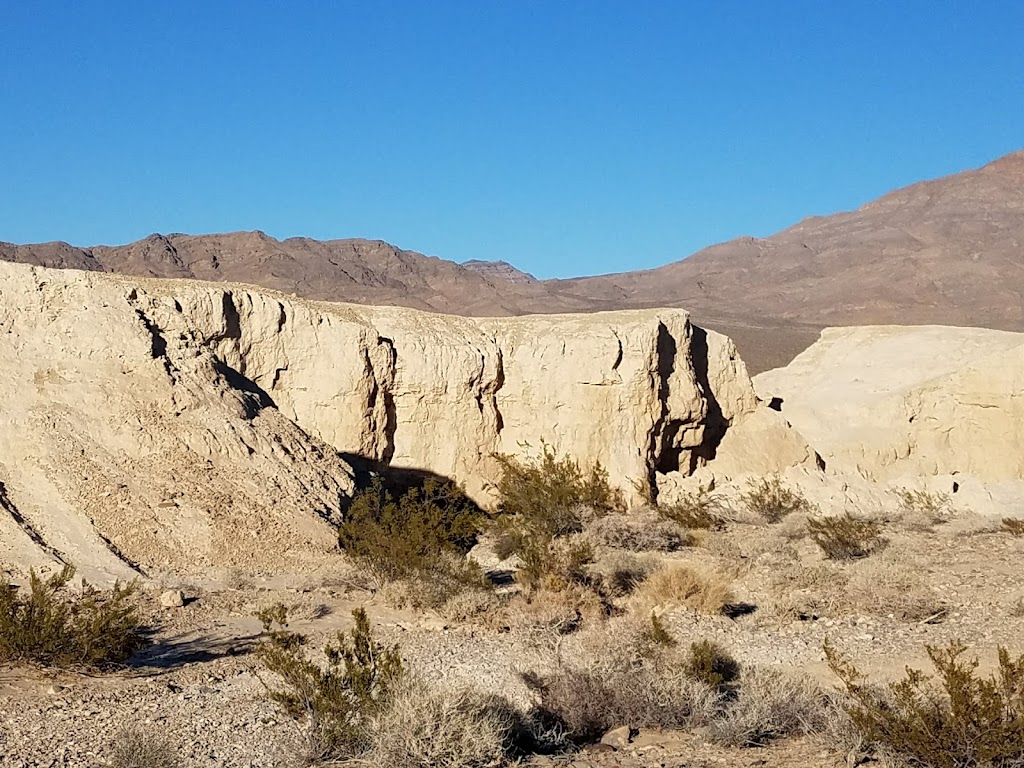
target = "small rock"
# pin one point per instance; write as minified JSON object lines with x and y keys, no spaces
{"x":55,"y":689}
{"x":172,"y":598}
{"x":617,"y":738}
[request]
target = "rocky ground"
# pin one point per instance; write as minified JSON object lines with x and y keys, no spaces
{"x":200,"y":686}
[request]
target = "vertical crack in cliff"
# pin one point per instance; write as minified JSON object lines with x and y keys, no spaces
{"x":662,"y":452}
{"x":715,"y":423}
{"x":158,"y":343}
{"x":387,"y":391}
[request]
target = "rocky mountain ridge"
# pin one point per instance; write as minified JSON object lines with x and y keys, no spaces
{"x":948,"y":251}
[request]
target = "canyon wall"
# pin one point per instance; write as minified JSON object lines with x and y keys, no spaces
{"x":171,"y":424}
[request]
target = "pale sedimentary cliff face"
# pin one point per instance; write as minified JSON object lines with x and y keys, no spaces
{"x":185,"y":425}
{"x":891,"y":401}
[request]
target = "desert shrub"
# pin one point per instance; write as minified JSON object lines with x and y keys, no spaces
{"x":136,"y":747}
{"x":770,"y":500}
{"x":545,"y":497}
{"x":559,"y":612}
{"x":700,"y":509}
{"x":702,"y":591}
{"x":960,"y":720}
{"x":871,"y":588}
{"x":426,"y":728}
{"x":339,"y":699}
{"x":616,"y":574}
{"x":1013,"y":526}
{"x":845,"y":537}
{"x":655,"y":637}
{"x":921,"y":510}
{"x":708,"y":663}
{"x":587,"y":701}
{"x":770,"y":705}
{"x":53,"y":626}
{"x":554,"y":564}
{"x":638,"y":532}
{"x":421,"y":535}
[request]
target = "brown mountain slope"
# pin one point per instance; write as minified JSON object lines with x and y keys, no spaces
{"x":944,"y":251}
{"x":948,"y":251}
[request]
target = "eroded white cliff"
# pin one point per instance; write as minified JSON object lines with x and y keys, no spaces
{"x":178,"y":424}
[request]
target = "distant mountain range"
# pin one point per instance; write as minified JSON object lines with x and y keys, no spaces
{"x":948,"y":251}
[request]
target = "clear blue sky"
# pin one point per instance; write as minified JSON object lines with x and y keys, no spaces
{"x":565,"y":137}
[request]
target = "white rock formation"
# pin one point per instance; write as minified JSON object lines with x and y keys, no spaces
{"x":183,"y":425}
{"x":887,"y":401}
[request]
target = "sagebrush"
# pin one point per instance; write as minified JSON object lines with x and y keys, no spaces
{"x":1013,"y":526}
{"x":54,"y":626}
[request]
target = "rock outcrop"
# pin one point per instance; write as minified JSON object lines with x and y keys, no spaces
{"x":890,"y":401}
{"x":181,"y":425}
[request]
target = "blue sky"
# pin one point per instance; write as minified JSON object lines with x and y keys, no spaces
{"x":565,"y":137}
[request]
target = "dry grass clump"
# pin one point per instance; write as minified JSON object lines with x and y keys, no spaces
{"x":922,"y":510}
{"x":425,"y":728}
{"x":617,"y":574}
{"x":560,"y":612}
{"x":770,"y":500}
{"x":1014,"y":526}
{"x":626,"y":680}
{"x":698,"y":589}
{"x":882,"y":588}
{"x":845,"y":537}
{"x":53,"y":626}
{"x":700,"y":510}
{"x":892,"y":590}
{"x":638,"y":532}
{"x":137,"y":747}
{"x":770,"y":705}
{"x":959,"y":720}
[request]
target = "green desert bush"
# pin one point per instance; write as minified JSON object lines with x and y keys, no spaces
{"x":845,"y":537}
{"x":547,"y":497}
{"x":698,"y":510}
{"x":138,"y":747}
{"x":770,"y":500}
{"x":959,"y":720}
{"x":708,"y":663}
{"x":54,"y":626}
{"x":339,"y":698}
{"x":422,"y":535}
